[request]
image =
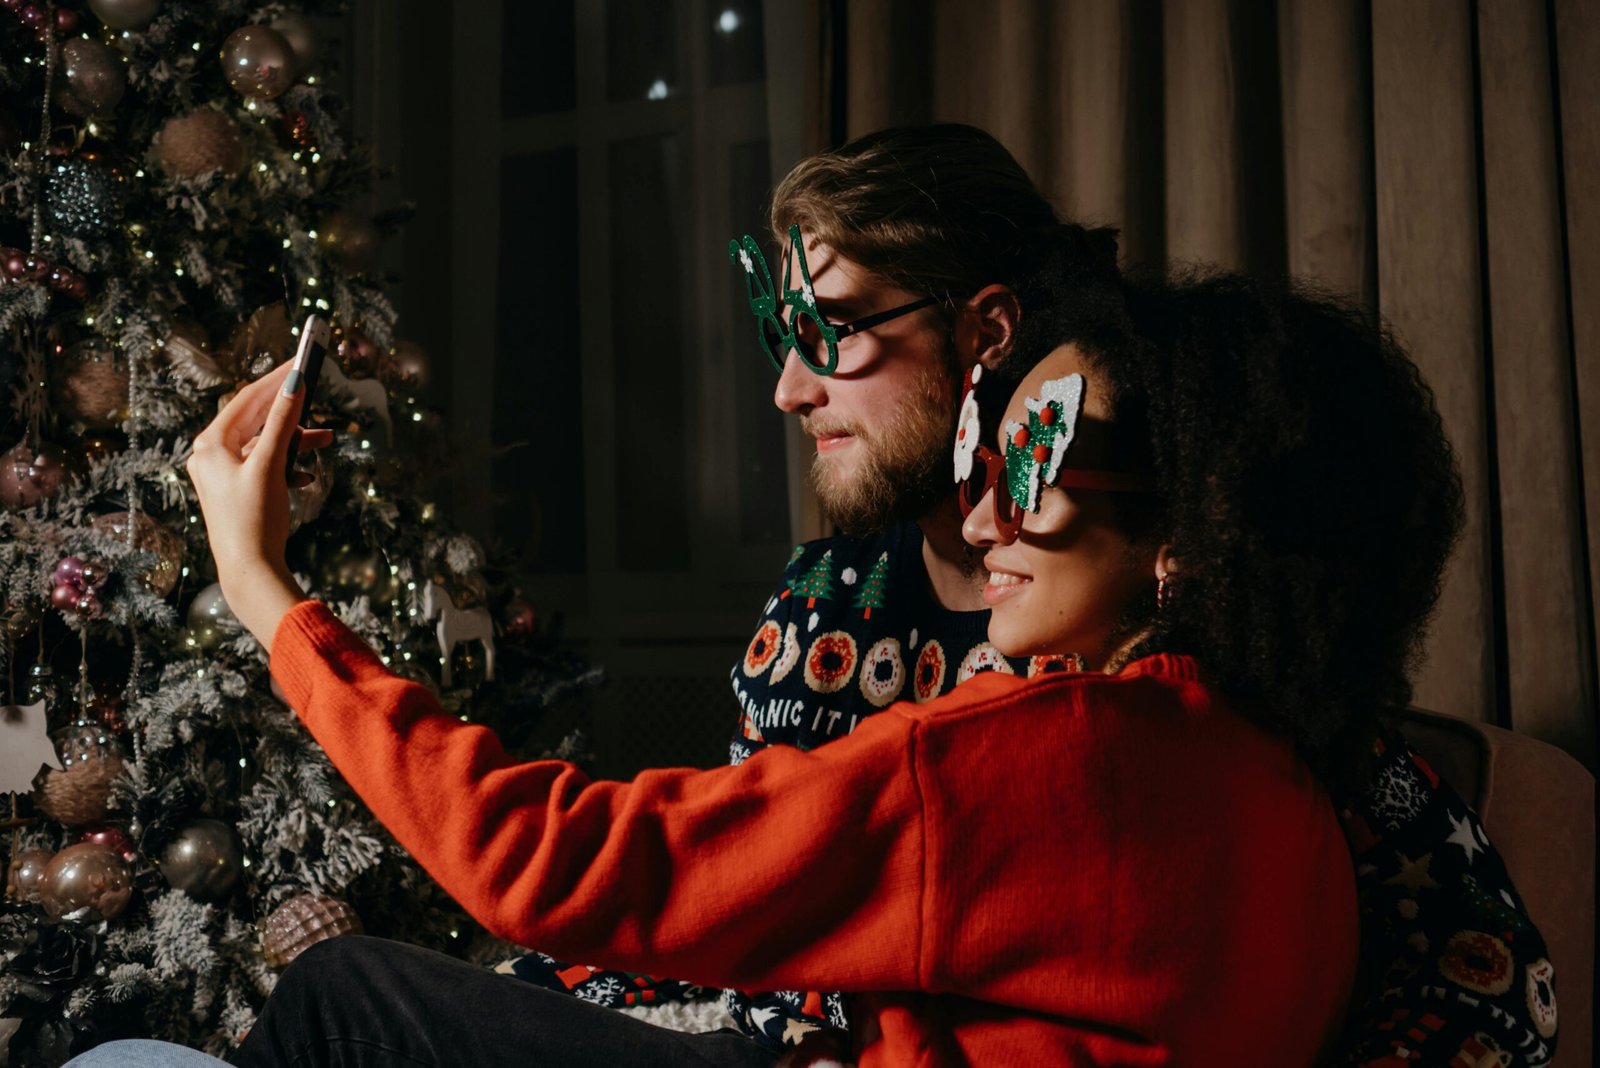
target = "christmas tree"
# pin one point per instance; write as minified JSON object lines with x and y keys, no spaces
{"x":817,"y":583}
{"x":871,"y":595}
{"x":176,"y":196}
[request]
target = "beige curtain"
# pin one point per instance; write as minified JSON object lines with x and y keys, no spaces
{"x":1437,"y":158}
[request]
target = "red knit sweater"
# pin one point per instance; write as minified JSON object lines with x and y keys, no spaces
{"x":1076,"y":869}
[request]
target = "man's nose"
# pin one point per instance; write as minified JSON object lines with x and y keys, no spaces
{"x":799,"y":390}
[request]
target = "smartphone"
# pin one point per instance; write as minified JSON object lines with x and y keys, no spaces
{"x":308,"y":360}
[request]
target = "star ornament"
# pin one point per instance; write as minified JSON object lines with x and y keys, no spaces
{"x":25,"y":747}
{"x":1463,"y":836}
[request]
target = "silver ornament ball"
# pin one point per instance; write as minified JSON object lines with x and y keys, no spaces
{"x":258,"y":62}
{"x":204,"y":861}
{"x":87,"y":881}
{"x":210,"y":618}
{"x":124,"y":14}
{"x":92,"y":77}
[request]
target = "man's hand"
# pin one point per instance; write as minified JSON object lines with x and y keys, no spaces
{"x":237,"y":467}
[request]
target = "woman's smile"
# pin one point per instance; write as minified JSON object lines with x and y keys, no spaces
{"x":1003,"y":585}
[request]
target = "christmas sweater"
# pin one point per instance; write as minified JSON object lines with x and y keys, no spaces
{"x":1081,"y":869}
{"x":1452,"y":965}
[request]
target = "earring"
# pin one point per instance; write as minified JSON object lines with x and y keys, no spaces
{"x":969,"y":428}
{"x":1163,"y":593}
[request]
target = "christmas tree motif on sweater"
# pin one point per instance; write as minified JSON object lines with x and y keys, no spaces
{"x":871,"y":595}
{"x":816,"y":584}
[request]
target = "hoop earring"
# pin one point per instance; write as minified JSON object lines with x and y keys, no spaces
{"x":1163,"y":593}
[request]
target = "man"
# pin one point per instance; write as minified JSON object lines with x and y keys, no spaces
{"x":913,"y":269}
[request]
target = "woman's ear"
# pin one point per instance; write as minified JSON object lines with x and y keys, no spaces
{"x":1167,"y":563}
{"x":986,"y":327}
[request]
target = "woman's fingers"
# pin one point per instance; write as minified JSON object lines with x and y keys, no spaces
{"x":239,"y":421}
{"x":310,"y":440}
{"x":281,"y":425}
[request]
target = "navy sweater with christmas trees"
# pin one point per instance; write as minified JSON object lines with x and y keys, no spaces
{"x":1452,"y":967}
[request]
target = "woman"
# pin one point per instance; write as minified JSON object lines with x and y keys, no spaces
{"x":1128,"y":865}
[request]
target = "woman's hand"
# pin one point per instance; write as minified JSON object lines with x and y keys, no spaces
{"x":239,"y":478}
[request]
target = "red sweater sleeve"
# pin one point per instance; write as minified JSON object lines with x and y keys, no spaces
{"x":695,"y":874}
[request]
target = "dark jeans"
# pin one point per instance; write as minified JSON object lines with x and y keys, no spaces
{"x":367,"y":1001}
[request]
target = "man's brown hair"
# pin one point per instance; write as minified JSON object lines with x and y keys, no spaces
{"x":942,"y":210}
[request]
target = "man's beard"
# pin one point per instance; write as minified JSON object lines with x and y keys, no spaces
{"x":905,"y":467}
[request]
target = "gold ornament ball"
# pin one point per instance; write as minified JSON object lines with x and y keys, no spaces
{"x":260,"y":343}
{"x":152,"y":537}
{"x":349,"y":239}
{"x":25,"y":878}
{"x":89,"y":383}
{"x":88,"y":880}
{"x":203,"y":141}
{"x":300,"y":923}
{"x":258,"y":62}
{"x":18,"y":618}
{"x":409,"y":362}
{"x":92,"y":78}
{"x":98,"y":446}
{"x":90,"y":764}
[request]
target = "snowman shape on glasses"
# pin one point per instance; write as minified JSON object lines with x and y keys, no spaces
{"x":806,"y":331}
{"x":1034,"y":455}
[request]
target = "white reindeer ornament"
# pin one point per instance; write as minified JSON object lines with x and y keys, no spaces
{"x":457,"y":625}
{"x":363,"y":393}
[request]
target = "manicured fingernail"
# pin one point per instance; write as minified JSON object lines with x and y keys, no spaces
{"x":291,"y":384}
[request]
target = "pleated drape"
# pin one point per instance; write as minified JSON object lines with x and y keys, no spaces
{"x":1437,"y":159}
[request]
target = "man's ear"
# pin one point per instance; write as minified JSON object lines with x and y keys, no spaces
{"x":986,"y":326}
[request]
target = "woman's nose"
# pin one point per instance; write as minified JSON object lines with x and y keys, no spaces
{"x":979,"y":529}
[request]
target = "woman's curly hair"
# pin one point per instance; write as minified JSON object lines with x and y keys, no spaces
{"x":1304,"y":481}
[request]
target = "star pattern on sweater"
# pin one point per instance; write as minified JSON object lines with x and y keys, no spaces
{"x":1462,"y":835}
{"x":1413,"y":874}
{"x":794,"y":1031}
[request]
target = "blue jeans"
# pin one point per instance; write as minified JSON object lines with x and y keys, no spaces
{"x":143,"y":1053}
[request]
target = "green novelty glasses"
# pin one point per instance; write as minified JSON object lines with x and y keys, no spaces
{"x":806,"y":331}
